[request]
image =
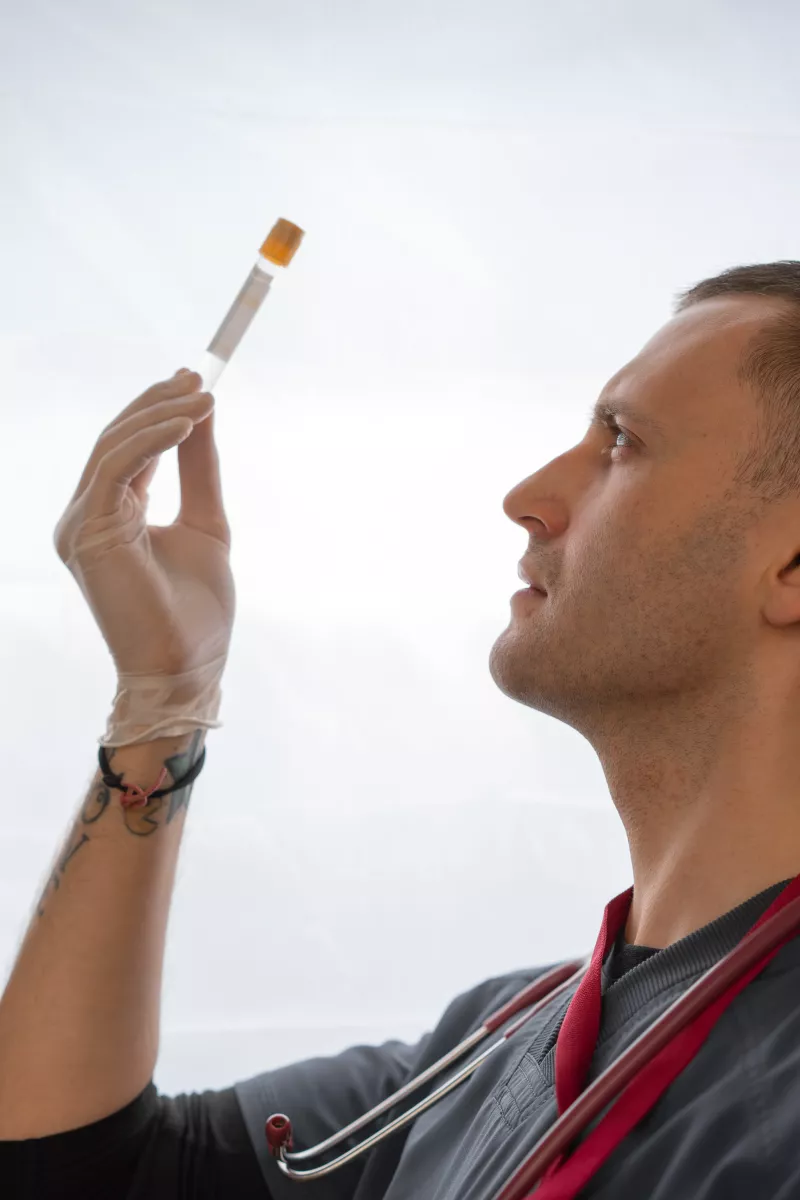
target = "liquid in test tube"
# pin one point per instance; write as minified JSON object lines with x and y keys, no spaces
{"x":278,"y":251}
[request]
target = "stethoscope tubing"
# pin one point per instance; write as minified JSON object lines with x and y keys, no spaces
{"x":535,"y":994}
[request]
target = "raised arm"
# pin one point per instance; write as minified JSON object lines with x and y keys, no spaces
{"x":80,"y":1014}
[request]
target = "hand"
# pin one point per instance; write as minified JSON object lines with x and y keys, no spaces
{"x":163,"y":596}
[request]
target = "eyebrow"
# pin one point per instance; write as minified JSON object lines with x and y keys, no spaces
{"x":606,"y":410}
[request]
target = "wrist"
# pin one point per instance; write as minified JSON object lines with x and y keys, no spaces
{"x":149,"y":709}
{"x":141,"y":763}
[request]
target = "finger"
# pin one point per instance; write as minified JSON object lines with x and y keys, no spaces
{"x":129,"y":458}
{"x":201,"y":487}
{"x":137,"y":415}
{"x":183,"y":382}
{"x":142,"y":481}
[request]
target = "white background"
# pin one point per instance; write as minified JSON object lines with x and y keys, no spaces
{"x":501,"y":200}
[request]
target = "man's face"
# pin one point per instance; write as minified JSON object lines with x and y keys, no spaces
{"x":647,"y":558}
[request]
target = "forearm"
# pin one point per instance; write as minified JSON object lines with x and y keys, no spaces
{"x":80,"y":1014}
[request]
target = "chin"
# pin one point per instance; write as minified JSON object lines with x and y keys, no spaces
{"x":505,"y":667}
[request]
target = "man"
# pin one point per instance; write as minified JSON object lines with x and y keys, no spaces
{"x":666,"y":545}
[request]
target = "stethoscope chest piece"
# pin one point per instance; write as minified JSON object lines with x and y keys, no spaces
{"x":278,"y":1130}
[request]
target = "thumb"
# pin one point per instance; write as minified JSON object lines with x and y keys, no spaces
{"x":201,"y":487}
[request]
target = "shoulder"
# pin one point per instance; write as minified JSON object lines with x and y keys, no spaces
{"x":471,"y":1008}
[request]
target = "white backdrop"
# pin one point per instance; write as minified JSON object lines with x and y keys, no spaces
{"x":500,"y":201}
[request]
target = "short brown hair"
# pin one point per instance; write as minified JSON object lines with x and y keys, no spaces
{"x":771,"y":366}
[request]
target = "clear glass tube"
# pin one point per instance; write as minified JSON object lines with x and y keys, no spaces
{"x":236,"y":322}
{"x":276,"y":252}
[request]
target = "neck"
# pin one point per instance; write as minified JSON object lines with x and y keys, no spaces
{"x":707,"y":828}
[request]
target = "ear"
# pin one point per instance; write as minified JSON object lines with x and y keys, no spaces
{"x":782,"y":604}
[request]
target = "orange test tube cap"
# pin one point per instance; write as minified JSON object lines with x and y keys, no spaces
{"x":282,"y":243}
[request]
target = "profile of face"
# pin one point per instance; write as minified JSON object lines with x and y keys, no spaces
{"x":664,"y":583}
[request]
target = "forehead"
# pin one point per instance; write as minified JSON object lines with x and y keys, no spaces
{"x":688,"y":371}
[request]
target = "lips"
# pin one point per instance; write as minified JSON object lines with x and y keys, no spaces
{"x":528,"y":575}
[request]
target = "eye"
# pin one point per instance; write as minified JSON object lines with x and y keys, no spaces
{"x":617,"y":431}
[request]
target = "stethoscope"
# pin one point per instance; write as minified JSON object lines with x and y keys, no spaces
{"x":592,"y":1101}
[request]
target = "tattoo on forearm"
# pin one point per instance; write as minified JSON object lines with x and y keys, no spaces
{"x":54,"y":880}
{"x":141,"y":822}
{"x":163,"y":809}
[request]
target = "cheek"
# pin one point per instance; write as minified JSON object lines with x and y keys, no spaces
{"x":628,"y":549}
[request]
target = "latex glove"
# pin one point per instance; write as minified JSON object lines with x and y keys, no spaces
{"x":163,"y":596}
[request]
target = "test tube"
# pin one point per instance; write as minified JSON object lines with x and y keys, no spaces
{"x":277,"y":251}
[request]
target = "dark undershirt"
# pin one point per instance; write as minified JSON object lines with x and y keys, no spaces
{"x":625,"y":956}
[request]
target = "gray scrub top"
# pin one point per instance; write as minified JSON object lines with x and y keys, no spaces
{"x":727,"y":1128}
